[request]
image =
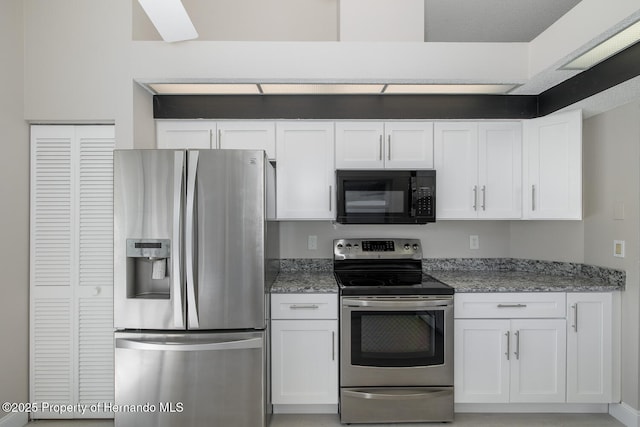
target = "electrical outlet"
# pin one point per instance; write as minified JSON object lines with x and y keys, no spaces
{"x":312,"y":243}
{"x":474,"y":242}
{"x":618,"y":248}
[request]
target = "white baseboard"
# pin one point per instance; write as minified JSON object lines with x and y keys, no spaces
{"x":588,"y":408}
{"x":625,"y":414}
{"x":14,"y":420}
{"x":304,"y":409}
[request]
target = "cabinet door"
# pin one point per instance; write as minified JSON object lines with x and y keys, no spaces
{"x":500,"y":170}
{"x":553,"y":166}
{"x":304,"y":361}
{"x":481,"y":360}
{"x":409,"y":145}
{"x":538,"y":360}
{"x":589,"y":347}
{"x":305,"y":172}
{"x":456,"y":162}
{"x":248,"y":136}
{"x":184,"y":134}
{"x":359,"y":145}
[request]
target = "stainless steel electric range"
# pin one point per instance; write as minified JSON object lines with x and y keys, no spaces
{"x":396,"y":326}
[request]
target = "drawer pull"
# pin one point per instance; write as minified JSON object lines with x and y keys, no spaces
{"x":512,"y":305}
{"x":304,"y":306}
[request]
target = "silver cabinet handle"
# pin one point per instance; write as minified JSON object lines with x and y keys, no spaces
{"x":176,"y":256}
{"x":484,"y":197}
{"x":380,"y":148}
{"x":333,"y":345}
{"x":304,"y":306}
{"x":511,"y":305}
{"x":475,"y":197}
{"x":508,"y":344}
{"x":389,"y":148}
{"x":192,"y":306}
{"x":177,"y":346}
{"x":575,"y":317}
{"x":219,"y":144}
{"x":517,"y":352}
{"x":330,"y":201}
{"x":533,"y":197}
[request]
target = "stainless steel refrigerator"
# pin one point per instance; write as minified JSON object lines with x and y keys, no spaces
{"x":194,"y":254}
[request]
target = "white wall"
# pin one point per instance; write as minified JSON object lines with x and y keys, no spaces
{"x":612,"y":177}
{"x":14,"y":226}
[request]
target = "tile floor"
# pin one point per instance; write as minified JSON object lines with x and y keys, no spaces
{"x":462,"y":420}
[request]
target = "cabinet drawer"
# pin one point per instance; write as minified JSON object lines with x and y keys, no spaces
{"x":510,"y":305}
{"x":304,"y":306}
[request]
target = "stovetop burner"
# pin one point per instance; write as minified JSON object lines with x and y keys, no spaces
{"x":383,"y":267}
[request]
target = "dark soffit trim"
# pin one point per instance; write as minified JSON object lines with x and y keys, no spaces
{"x":617,"y":69}
{"x":611,"y":72}
{"x":332,"y":107}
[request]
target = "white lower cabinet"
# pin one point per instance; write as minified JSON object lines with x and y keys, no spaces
{"x":304,"y":355}
{"x":534,"y":348}
{"x":501,"y":360}
{"x":589,"y":347}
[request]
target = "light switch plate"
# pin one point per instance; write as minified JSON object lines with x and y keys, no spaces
{"x":474,"y":242}
{"x":618,"y":248}
{"x":312,"y":243}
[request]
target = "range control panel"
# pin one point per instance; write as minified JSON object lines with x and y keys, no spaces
{"x":376,"y":249}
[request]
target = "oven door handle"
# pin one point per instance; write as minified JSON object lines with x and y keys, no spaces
{"x":406,"y":304}
{"x":397,"y":395}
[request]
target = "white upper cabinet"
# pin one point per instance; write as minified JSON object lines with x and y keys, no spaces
{"x":205,"y":134}
{"x":553,"y":166}
{"x":185,"y":134}
{"x":256,"y":135}
{"x":376,"y":145}
{"x":305,"y":176}
{"x":479,"y":170}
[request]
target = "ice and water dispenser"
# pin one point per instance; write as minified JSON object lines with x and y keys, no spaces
{"x":148,"y":268}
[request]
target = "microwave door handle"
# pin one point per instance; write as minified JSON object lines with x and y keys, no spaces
{"x":414,"y":200}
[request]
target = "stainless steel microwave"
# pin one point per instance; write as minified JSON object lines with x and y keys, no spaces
{"x":386,"y":196}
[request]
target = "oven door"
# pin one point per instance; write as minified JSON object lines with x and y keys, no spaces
{"x":396,"y":341}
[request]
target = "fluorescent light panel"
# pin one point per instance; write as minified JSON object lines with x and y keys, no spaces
{"x":324,"y":89}
{"x":607,"y":48}
{"x":434,"y":89}
{"x":205,"y":88}
{"x":170,"y":19}
{"x":320,"y":89}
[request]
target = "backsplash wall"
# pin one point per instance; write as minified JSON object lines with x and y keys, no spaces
{"x":542,"y":240}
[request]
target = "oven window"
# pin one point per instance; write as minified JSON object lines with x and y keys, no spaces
{"x":397,"y":338}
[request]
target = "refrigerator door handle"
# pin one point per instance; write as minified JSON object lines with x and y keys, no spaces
{"x":154,"y":345}
{"x":192,"y":307}
{"x":178,"y":191}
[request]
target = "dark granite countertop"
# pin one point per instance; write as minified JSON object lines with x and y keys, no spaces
{"x":518,"y":281}
{"x":468,"y":275}
{"x":300,"y":282}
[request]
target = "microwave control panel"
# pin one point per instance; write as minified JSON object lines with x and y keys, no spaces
{"x":425,"y":201}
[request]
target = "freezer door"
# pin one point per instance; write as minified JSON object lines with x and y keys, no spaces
{"x":149,"y":191}
{"x":225,"y":238}
{"x":192,"y":380}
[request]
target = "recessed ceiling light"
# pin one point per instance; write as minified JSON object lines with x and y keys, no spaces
{"x":205,"y":88}
{"x":607,"y":48}
{"x":420,"y":89}
{"x":320,"y":89}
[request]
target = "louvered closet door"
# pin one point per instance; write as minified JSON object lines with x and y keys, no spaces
{"x":71,"y":266}
{"x":94,"y":293}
